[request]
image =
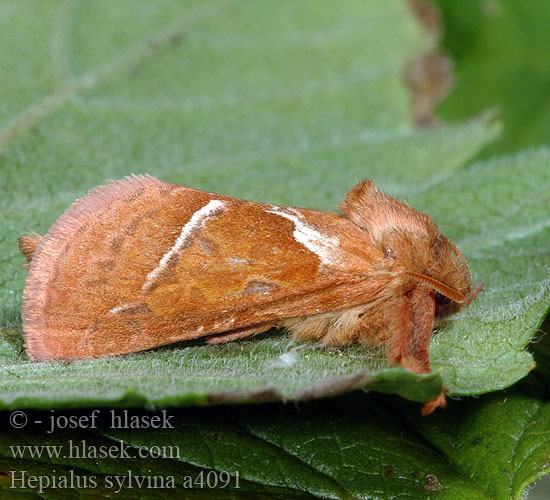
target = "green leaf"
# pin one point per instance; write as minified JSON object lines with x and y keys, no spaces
{"x":100,"y":460}
{"x":357,"y":446}
{"x":488,"y":447}
{"x":28,"y":480}
{"x":356,"y":443}
{"x":502,"y":440}
{"x":500,"y":48}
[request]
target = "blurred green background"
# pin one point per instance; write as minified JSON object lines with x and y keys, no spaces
{"x":500,"y":49}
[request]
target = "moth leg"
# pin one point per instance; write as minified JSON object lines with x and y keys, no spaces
{"x":239,"y":333}
{"x":412,"y":323}
{"x":423,"y":311}
{"x":438,"y":402}
{"x":399,"y":323}
{"x":423,"y":314}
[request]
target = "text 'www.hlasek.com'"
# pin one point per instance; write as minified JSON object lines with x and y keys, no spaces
{"x":75,"y":451}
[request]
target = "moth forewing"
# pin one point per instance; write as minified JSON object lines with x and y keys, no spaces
{"x":155,"y":263}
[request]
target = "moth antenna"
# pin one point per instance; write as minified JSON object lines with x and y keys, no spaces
{"x":473,"y":294}
{"x":27,"y":244}
{"x":443,"y":289}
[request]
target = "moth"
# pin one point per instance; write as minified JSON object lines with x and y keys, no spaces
{"x":139,"y":263}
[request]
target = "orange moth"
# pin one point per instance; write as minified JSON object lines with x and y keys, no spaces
{"x":139,"y":263}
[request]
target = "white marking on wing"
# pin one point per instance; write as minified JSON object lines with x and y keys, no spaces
{"x":125,"y":307}
{"x":197,"y":220}
{"x":325,"y":247}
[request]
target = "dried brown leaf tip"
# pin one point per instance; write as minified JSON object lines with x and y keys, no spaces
{"x":429,"y":75}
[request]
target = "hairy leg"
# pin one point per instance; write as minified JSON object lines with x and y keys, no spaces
{"x":410,"y":324}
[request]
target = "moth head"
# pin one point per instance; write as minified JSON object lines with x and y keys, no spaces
{"x":411,"y":245}
{"x":448,"y":274}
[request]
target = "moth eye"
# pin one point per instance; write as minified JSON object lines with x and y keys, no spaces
{"x":441,"y":300}
{"x":389,"y":253}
